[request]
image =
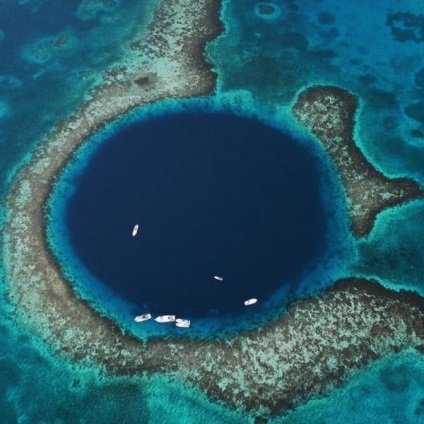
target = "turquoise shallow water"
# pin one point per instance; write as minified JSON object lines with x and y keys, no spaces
{"x":260,"y":59}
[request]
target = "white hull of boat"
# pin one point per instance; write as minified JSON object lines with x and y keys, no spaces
{"x":135,"y":230}
{"x":141,"y":318}
{"x":165,"y":318}
{"x":184,"y":323}
{"x":250,"y":302}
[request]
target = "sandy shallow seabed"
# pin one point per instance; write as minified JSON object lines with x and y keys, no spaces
{"x":314,"y":346}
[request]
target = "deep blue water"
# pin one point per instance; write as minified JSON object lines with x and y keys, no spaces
{"x":213,"y":194}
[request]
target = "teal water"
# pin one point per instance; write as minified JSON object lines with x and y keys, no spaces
{"x":262,"y":62}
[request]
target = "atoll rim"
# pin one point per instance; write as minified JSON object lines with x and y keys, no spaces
{"x":258,"y":164}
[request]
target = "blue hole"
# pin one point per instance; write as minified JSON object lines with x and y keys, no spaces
{"x":213,"y":194}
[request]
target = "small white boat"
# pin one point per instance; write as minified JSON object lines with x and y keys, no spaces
{"x":185,"y":323}
{"x":218,"y":278}
{"x":140,"y":318}
{"x":135,"y":230}
{"x":250,"y":301}
{"x":165,"y":318}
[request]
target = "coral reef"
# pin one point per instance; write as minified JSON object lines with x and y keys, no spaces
{"x":329,"y":113}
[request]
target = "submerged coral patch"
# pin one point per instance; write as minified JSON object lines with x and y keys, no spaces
{"x":329,"y":112}
{"x":267,"y":10}
{"x":406,"y":26}
{"x":416,"y":111}
{"x":44,"y":49}
{"x":419,"y":78}
{"x":92,"y":9}
{"x":326,"y":18}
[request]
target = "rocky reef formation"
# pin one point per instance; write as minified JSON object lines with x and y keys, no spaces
{"x":329,"y":113}
{"x":313,"y":348}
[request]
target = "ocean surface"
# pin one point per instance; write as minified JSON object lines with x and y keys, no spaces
{"x":214,"y":195}
{"x":54,"y":52}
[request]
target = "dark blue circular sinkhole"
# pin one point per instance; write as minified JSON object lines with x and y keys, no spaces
{"x":213,"y":194}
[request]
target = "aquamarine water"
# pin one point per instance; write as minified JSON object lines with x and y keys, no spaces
{"x":53,"y":53}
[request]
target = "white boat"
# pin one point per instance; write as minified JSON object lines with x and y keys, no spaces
{"x":185,"y":323}
{"x":218,"y":278}
{"x":140,"y":318}
{"x":250,"y":301}
{"x":135,"y":230}
{"x":165,"y":318}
